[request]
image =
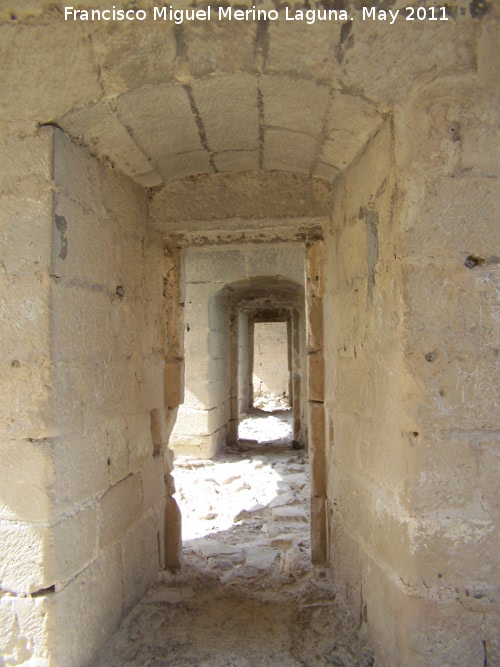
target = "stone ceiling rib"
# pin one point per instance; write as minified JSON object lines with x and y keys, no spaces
{"x":238,"y":122}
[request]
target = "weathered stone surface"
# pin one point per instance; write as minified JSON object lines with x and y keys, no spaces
{"x":229,"y":111}
{"x":140,"y":443}
{"x":26,"y":475}
{"x":82,"y":469}
{"x":345,"y":141}
{"x":270,"y":361}
{"x":185,"y":164}
{"x":87,"y":433}
{"x":316,"y":427}
{"x":284,"y":499}
{"x":67,"y":547}
{"x":171,"y":595}
{"x":213,"y":549}
{"x":33,"y":76}
{"x":119,"y":508}
{"x":319,"y":536}
{"x":284,"y":540}
{"x":28,"y":157}
{"x":401,"y":122}
{"x":174,"y":383}
{"x":173,"y":535}
{"x":434,"y":624}
{"x":289,"y":514}
{"x":22,"y":568}
{"x":250,"y":512}
{"x":262,"y":559}
{"x":255,"y":195}
{"x":316,"y":370}
{"x":373,"y":49}
{"x":287,"y":54}
{"x":299,"y":106}
{"x":101,"y":129}
{"x":449,"y":226}
{"x":156,"y":112}
{"x":27,"y":637}
{"x":76,"y":174}
{"x":237,"y":160}
{"x":325,"y":171}
{"x":219,"y":46}
{"x":141,"y":559}
{"x":285,"y":150}
{"x":91,"y":603}
{"x":153,"y":482}
{"x":132,"y":57}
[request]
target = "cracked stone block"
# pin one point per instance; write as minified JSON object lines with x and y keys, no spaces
{"x":228,"y":110}
{"x":160,"y":120}
{"x":294,"y":105}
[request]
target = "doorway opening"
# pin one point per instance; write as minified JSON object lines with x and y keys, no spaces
{"x":267,"y":356}
{"x":271,"y":373}
{"x":265,"y":381}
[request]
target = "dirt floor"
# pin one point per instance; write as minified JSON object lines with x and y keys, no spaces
{"x":247,"y":595}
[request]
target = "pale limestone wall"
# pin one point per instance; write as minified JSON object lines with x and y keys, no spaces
{"x":201,"y":426}
{"x":270,"y":367}
{"x":82,"y":493}
{"x":412,"y":532}
{"x":108,"y":351}
{"x":450,"y":257}
{"x":29,"y":544}
{"x":412,"y":382}
{"x":368,"y":439}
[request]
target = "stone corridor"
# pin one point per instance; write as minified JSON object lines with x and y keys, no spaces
{"x":247,"y":595}
{"x":168,"y":191}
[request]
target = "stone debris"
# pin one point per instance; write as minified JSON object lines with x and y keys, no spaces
{"x":289,"y":514}
{"x":253,"y":511}
{"x":247,"y":595}
{"x":261,"y":558}
{"x":211,"y":549}
{"x":284,"y":541}
{"x":287,"y":498}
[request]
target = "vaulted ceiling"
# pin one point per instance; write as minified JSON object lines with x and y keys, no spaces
{"x":162,"y":102}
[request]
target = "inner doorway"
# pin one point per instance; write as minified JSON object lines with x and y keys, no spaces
{"x":265,"y":416}
{"x":267,"y":357}
{"x":271,"y":366}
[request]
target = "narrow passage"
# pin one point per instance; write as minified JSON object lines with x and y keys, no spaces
{"x":247,"y":595}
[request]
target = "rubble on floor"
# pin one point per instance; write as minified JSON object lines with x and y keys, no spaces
{"x":247,"y":595}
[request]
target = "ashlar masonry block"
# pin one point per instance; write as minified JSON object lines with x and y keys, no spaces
{"x":92,"y":603}
{"x":26,"y":476}
{"x":140,"y":558}
{"x":119,"y":508}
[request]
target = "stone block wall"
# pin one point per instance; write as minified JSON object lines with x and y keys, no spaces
{"x":83,"y":522}
{"x":26,"y":425}
{"x":365,"y":449}
{"x":412,"y":383}
{"x":451,"y":282}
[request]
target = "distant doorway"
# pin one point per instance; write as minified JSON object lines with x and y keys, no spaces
{"x":271,"y":366}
